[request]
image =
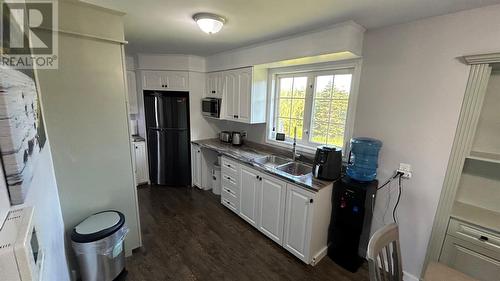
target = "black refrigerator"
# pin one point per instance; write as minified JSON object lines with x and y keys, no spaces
{"x":167,"y":126}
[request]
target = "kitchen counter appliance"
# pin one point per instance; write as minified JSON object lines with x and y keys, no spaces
{"x":210,"y":107}
{"x":237,"y":138}
{"x":327,"y":163}
{"x":225,"y":136}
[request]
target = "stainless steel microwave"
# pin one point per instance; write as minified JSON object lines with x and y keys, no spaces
{"x":210,"y":107}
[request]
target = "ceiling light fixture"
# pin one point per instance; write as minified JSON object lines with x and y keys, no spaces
{"x":209,"y":23}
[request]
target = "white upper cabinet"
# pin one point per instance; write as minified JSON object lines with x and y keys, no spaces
{"x":229,"y":100}
{"x":243,"y":93}
{"x":165,"y":80}
{"x":215,"y":85}
{"x":132,"y":92}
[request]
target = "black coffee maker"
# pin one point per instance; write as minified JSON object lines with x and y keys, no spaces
{"x":327,"y":163}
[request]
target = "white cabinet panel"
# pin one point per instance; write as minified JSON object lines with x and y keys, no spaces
{"x":230,"y":94}
{"x":141,"y":165}
{"x":196,"y":165}
{"x":478,"y":262}
{"x":132,"y":93}
{"x":165,"y":80}
{"x":177,"y":80}
{"x":239,"y":98}
{"x":249,"y":189}
{"x":152,"y":80}
{"x":214,"y":84}
{"x":244,"y":101}
{"x":272,"y":207}
{"x":298,"y":219}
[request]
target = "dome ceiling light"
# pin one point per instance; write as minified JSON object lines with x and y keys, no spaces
{"x":209,"y":23}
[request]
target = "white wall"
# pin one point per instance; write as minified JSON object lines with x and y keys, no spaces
{"x":42,"y":194}
{"x":84,"y":106}
{"x":412,"y":86}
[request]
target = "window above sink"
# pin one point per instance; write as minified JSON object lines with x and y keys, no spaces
{"x":319,"y":100}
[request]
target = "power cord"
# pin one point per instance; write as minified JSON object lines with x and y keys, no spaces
{"x":398,"y":175}
{"x":397,"y":201}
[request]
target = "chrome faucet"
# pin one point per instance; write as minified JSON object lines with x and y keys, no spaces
{"x":294,"y":149}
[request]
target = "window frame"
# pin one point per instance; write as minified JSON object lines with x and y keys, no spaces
{"x":311,"y":71}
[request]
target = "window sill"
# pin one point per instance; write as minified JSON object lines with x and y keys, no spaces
{"x":289,"y":145}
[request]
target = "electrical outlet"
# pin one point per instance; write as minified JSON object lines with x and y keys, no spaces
{"x":405,"y":169}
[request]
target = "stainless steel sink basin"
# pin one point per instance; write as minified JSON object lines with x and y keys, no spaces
{"x":272,"y":160}
{"x":295,"y":169}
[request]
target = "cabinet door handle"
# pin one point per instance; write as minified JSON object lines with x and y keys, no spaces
{"x":311,"y":200}
{"x":260,"y":178}
{"x":257,"y":177}
{"x":235,"y":116}
{"x":483,"y":238}
{"x":213,"y":92}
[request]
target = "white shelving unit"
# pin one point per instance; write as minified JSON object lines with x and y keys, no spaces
{"x":485,"y":156}
{"x":466,"y":231}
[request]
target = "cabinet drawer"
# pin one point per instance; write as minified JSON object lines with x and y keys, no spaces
{"x":230,"y":167}
{"x":230,"y":191}
{"x":467,"y":257}
{"x":475,"y":234}
{"x":231,"y":206}
{"x":229,"y":195}
{"x":231,"y":181}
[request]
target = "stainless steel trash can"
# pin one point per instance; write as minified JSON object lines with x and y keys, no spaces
{"x":98,"y":245}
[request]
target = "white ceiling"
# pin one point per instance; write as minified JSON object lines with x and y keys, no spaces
{"x":166,"y":26}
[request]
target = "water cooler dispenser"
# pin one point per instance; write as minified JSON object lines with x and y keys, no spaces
{"x":352,"y":211}
{"x":353,"y":201}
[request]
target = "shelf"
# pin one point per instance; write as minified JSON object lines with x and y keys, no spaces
{"x":484,"y":156}
{"x":476,"y":215}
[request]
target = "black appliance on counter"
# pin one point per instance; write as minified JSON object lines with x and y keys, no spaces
{"x":327,"y":163}
{"x":167,"y":125}
{"x":349,"y":231}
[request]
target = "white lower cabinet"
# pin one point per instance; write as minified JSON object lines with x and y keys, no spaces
{"x":472,"y":250}
{"x":290,"y":215}
{"x":272,"y":208}
{"x":230,"y":193}
{"x":298,"y":221}
{"x":477,"y":262}
{"x":249,"y":195}
{"x":141,"y":164}
{"x":196,"y":165}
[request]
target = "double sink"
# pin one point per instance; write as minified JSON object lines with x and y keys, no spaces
{"x":287,"y":166}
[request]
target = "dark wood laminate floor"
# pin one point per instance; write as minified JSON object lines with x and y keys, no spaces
{"x":188,"y":235}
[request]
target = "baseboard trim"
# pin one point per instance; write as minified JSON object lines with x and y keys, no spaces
{"x":321,"y":254}
{"x":409,"y":277}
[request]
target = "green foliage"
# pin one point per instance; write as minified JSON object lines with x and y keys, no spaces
{"x":329,"y":109}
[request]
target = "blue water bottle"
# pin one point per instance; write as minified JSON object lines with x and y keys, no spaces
{"x":363,"y":159}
